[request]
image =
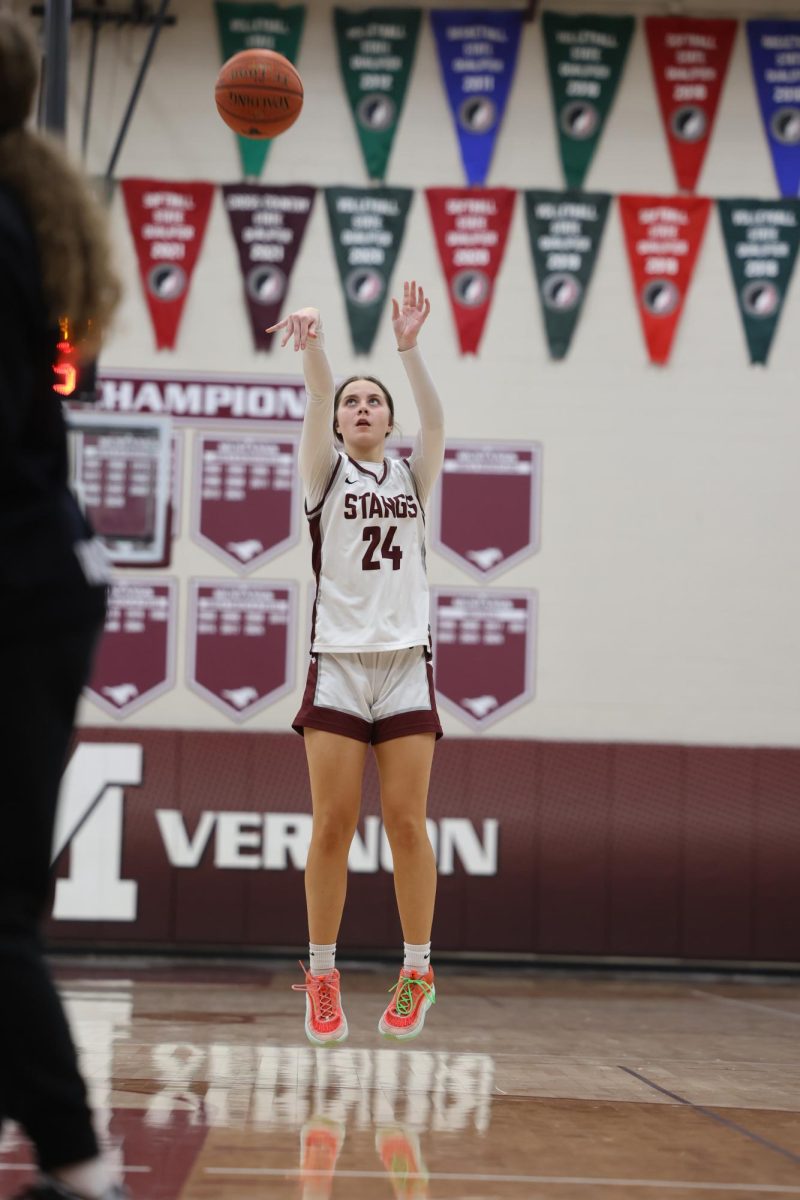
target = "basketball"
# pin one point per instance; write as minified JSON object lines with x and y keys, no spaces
{"x":258,"y":93}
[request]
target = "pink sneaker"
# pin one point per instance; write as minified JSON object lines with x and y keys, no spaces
{"x":414,"y":993}
{"x":326,"y":1023}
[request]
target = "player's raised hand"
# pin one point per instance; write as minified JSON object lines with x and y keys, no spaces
{"x":408,"y":320}
{"x":300,"y":325}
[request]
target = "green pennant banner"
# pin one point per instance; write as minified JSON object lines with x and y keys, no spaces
{"x":244,"y":26}
{"x":367,"y":225}
{"x":585,"y":56}
{"x":376,"y":51}
{"x":761,"y":237}
{"x":565,"y":229}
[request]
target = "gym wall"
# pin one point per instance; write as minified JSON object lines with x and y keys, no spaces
{"x":667,"y":578}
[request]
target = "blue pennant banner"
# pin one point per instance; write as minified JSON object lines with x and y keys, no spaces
{"x":775,"y":55}
{"x":477,"y":52}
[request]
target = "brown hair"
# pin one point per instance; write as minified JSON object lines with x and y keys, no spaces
{"x":69,"y":226}
{"x":338,"y":396}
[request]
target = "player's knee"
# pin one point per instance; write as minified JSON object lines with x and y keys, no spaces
{"x":405,"y":831}
{"x":333,"y":831}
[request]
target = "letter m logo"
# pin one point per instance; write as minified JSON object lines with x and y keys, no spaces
{"x":89,"y":821}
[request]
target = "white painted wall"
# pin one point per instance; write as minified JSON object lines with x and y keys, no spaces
{"x":669,"y":572}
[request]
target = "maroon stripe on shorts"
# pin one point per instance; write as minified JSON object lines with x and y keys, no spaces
{"x":316,"y":716}
{"x":419,"y":721}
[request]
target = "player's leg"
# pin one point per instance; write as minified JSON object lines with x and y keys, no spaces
{"x":335,"y":770}
{"x":40,"y":1083}
{"x":404,"y":766}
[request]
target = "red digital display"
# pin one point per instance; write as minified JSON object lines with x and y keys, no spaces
{"x":75,"y":378}
{"x":65,"y":370}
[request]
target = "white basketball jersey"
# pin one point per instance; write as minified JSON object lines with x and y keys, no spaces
{"x":368,"y":537}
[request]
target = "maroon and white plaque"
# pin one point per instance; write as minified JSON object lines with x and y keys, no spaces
{"x":246,"y":505}
{"x":241,"y":643}
{"x":487,"y":515}
{"x":135,"y":661}
{"x":176,"y":482}
{"x":484,"y":651}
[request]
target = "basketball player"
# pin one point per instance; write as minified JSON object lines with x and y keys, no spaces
{"x":370,"y":679}
{"x":54,"y":262}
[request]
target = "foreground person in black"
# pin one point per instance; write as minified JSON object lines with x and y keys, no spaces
{"x":53,"y":263}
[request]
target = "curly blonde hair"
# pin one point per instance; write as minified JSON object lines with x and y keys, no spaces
{"x":78,"y":279}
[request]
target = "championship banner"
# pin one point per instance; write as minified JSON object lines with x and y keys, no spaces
{"x":135,"y":660}
{"x":246,"y":498}
{"x":471,"y":228}
{"x":484,"y":644}
{"x":241,"y":643}
{"x":663,"y":236}
{"x":477,"y":55}
{"x":168,"y":222}
{"x":486,"y":517}
{"x":586,"y":57}
{"x":761,"y":237}
{"x":253,"y":26}
{"x":194,"y":397}
{"x":268,"y":224}
{"x":376,"y":52}
{"x":690,"y":58}
{"x":565,"y":232}
{"x":367,"y":226}
{"x":775,"y":58}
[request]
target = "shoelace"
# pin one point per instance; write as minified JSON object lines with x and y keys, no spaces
{"x":324,"y":993}
{"x":404,"y":1000}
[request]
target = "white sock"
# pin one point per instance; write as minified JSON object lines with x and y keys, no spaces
{"x":92,"y":1178}
{"x":322,"y":958}
{"x":418,"y":958}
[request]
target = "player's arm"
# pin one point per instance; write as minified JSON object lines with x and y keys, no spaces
{"x":428,"y":453}
{"x":317,"y":457}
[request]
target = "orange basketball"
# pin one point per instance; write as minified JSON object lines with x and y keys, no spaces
{"x":258,"y":93}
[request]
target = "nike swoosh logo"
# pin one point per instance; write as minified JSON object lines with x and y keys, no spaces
{"x":350,"y":480}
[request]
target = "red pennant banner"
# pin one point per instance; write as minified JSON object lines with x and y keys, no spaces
{"x":168,"y":222}
{"x":663,"y":235}
{"x":471,"y":228}
{"x":690,"y":58}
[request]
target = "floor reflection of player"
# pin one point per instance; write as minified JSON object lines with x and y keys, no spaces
{"x":400,"y":1153}
{"x":398,"y":1148}
{"x":370,"y":679}
{"x":320,"y":1144}
{"x":53,"y":263}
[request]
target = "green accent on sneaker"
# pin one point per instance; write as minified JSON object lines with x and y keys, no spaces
{"x":404,"y":1003}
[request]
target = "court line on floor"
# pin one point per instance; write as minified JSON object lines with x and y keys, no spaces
{"x":780,"y":1012}
{"x":572,"y":1180}
{"x":707,"y":1112}
{"x":34,"y":1167}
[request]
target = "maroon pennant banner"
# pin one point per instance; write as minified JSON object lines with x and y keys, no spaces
{"x":241,"y":643}
{"x":663,"y":235}
{"x":246,"y":498}
{"x":471,"y":227}
{"x":268,"y":224}
{"x":135,"y":661}
{"x":168,"y":223}
{"x":690,"y":59}
{"x":484,"y":651}
{"x":487,"y":515}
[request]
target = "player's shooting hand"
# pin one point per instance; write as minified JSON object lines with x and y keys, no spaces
{"x":408,"y":320}
{"x":300,"y":325}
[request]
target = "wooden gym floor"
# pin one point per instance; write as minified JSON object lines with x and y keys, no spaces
{"x":525,"y":1085}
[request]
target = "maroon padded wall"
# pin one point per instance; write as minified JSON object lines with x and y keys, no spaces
{"x":603,"y":850}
